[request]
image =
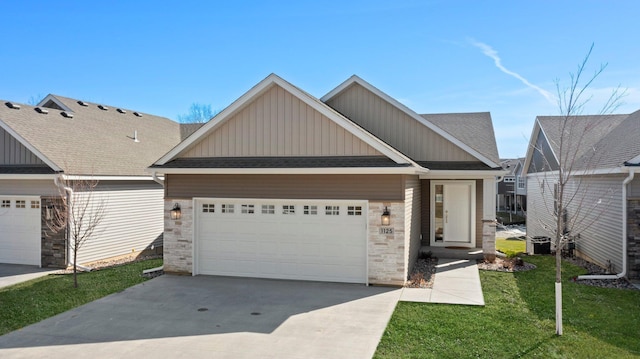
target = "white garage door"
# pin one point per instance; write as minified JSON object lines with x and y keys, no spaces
{"x":20,"y":230}
{"x":285,"y":239}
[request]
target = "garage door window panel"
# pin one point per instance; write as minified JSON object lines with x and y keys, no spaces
{"x":208,"y":208}
{"x":228,"y":208}
{"x":268,"y":209}
{"x":247,"y":209}
{"x":332,"y":210}
{"x":6,"y":203}
{"x":21,"y":204}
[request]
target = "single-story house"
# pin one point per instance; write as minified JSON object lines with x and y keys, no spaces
{"x":345,"y":188}
{"x":604,"y":182}
{"x":61,"y":140}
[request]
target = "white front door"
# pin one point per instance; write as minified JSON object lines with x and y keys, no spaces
{"x":453,"y":213}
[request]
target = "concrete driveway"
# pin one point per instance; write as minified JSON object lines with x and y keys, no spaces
{"x":215,"y":317}
{"x":11,"y":274}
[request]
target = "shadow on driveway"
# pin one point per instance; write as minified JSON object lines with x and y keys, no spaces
{"x":344,"y":319}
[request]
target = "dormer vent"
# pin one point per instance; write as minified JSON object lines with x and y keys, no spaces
{"x":42,"y":110}
{"x":138,"y":114}
{"x":121,"y":110}
{"x":104,"y":108}
{"x":82,"y":103}
{"x":12,"y":105}
{"x":66,"y":114}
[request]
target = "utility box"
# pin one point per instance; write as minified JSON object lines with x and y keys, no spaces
{"x":541,"y":245}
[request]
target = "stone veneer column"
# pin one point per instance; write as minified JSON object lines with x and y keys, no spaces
{"x":633,"y":238}
{"x":489,"y":239}
{"x":178,"y":237}
{"x":386,"y":251}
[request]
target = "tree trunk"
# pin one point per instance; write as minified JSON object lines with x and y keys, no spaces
{"x":558,"y":290}
{"x":75,"y":269}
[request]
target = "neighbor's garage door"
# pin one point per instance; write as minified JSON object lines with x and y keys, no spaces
{"x":286,"y":239}
{"x":20,"y":230}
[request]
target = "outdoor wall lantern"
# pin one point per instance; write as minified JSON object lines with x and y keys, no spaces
{"x":176,"y":213}
{"x":385,"y":219}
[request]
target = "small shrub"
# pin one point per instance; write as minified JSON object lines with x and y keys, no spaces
{"x":425,"y":255}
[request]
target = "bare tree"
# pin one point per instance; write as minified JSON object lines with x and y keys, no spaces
{"x":79,"y":214}
{"x":566,"y":174}
{"x":198,"y":113}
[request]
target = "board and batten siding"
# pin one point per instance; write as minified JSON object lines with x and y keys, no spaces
{"x":365,"y":187}
{"x":395,"y":127}
{"x":634,"y":187}
{"x":277,"y":123}
{"x":133,"y":220}
{"x":600,"y":229}
{"x":12,"y":152}
{"x":412,"y":203}
{"x":29,"y":188}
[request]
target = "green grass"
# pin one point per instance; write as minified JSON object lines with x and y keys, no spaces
{"x":518,"y":321}
{"x":511,"y":247}
{"x":30,"y":302}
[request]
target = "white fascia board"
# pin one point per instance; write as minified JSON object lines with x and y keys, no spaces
{"x":56,"y":101}
{"x":106,"y":178}
{"x":26,"y":177}
{"x":321,"y":107}
{"x":435,"y":174}
{"x":324,"y":170}
{"x":29,"y":146}
{"x":589,"y":172}
{"x":355,"y":79}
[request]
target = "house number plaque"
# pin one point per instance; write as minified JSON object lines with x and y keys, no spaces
{"x":386,"y":230}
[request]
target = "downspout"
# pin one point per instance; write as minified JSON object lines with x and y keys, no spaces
{"x":624,"y":234}
{"x":154,"y":175}
{"x":69,"y":192}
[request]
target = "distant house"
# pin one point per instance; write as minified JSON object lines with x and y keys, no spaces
{"x":344,"y":188}
{"x":512,"y":190}
{"x":64,"y":138}
{"x":607,"y":173}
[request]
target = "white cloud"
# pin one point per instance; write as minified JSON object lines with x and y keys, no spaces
{"x":493,"y":54}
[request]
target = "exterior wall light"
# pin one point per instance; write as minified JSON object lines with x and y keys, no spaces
{"x":385,"y":219}
{"x":176,"y":213}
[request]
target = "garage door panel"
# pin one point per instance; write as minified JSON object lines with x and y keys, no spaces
{"x":287,"y":243}
{"x":20,"y":235}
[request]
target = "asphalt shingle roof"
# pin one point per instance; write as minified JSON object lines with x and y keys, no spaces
{"x":588,"y":136}
{"x":282,"y":162}
{"x":94,"y":141}
{"x":475,"y":129}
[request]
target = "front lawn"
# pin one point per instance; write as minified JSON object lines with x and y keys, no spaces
{"x":30,"y":302}
{"x":511,"y":247}
{"x":518,"y":321}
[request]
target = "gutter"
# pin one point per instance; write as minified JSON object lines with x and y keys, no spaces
{"x":624,"y":234}
{"x":69,"y":192}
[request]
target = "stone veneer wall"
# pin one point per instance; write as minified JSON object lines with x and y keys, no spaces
{"x":387,"y":251}
{"x":633,"y":238}
{"x":53,"y":248}
{"x":178,"y":237}
{"x":489,"y":239}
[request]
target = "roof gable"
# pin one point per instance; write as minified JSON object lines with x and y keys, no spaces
{"x":94,"y":141}
{"x":401,"y":127}
{"x":263,"y":121}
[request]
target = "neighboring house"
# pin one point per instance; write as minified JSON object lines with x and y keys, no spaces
{"x":345,"y":188}
{"x":606,"y":170}
{"x":512,"y":190}
{"x":69,"y":139}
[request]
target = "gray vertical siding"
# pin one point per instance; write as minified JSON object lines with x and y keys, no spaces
{"x":13,"y":152}
{"x":133,"y":221}
{"x":395,"y":127}
{"x":412,"y":203}
{"x":597,"y":207}
{"x":634,"y":186}
{"x":277,"y":123}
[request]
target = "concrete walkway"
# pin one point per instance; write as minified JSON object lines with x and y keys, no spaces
{"x":11,"y":274}
{"x":457,"y":281}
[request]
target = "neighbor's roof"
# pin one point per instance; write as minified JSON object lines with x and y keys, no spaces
{"x":474,"y":129}
{"x":94,"y":141}
{"x":582,"y":134}
{"x":511,"y":164}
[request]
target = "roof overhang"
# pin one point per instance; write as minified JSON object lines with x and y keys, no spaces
{"x":26,"y":176}
{"x":453,"y":174}
{"x":106,"y":178}
{"x":292,"y":171}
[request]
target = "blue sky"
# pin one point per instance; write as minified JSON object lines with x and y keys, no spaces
{"x":434,"y":56}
